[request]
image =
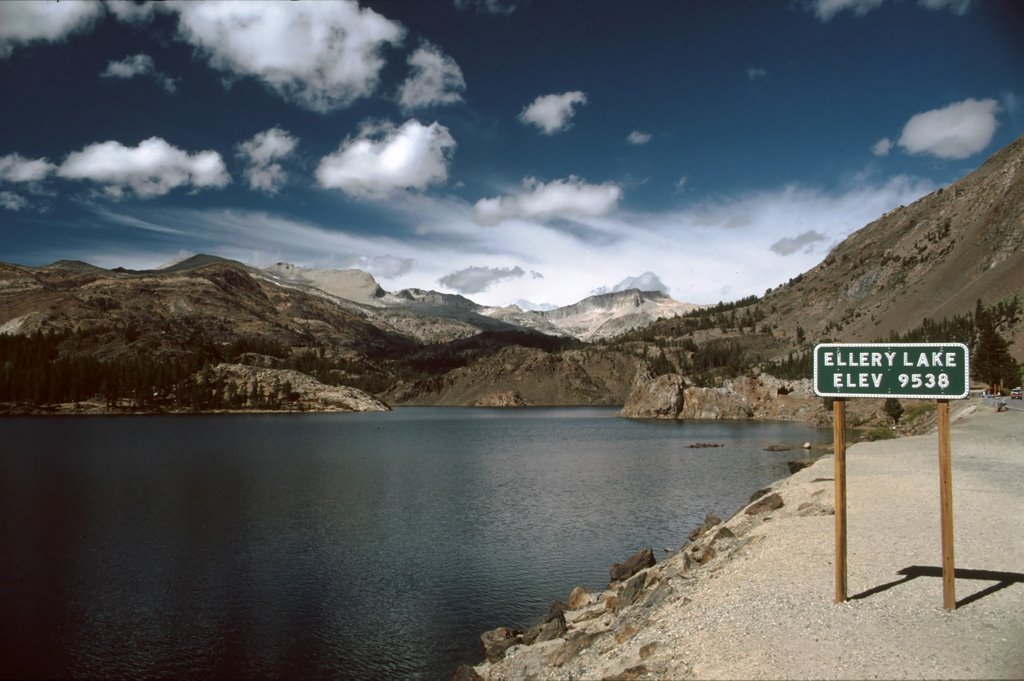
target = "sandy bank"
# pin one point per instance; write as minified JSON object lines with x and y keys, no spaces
{"x":761,"y":604}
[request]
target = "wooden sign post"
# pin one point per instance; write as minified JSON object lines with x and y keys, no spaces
{"x":839,"y":440}
{"x":946,"y":507}
{"x":901,"y":370}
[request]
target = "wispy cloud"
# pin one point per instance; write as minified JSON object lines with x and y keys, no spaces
{"x":825,"y":10}
{"x":479,"y":279}
{"x":434,"y":79}
{"x":790,"y":245}
{"x":882,"y":147}
{"x":488,"y":6}
{"x":263,"y":154}
{"x":648,"y":281}
{"x":12,"y":201}
{"x":638,"y":138}
{"x":139,"y":65}
{"x":785,"y":231}
{"x":16,"y":168}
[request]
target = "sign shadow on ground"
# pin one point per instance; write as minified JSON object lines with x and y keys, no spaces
{"x":1002,"y":580}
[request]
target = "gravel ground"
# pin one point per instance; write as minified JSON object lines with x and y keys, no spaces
{"x":766,"y":610}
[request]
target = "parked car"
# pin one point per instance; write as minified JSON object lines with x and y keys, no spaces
{"x":1017,"y":394}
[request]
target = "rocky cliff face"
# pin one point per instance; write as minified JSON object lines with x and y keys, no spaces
{"x":305,"y":392}
{"x":354,"y":285}
{"x":655,"y":398}
{"x":762,"y":397}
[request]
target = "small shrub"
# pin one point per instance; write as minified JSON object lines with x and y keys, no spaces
{"x":893,"y":409}
{"x":878,"y":434}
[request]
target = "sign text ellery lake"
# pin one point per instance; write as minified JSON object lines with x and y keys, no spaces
{"x":907,"y":370}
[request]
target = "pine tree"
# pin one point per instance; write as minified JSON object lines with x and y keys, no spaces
{"x":992,"y":362}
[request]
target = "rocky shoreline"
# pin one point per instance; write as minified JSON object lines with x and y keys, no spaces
{"x":606,"y":622}
{"x":745,"y":596}
{"x":761,"y":396}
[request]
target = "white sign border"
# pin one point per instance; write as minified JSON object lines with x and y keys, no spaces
{"x":967,"y":369}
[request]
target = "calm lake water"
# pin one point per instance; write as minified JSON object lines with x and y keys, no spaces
{"x":335,"y":545}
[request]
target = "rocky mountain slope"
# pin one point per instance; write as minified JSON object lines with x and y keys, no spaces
{"x":609,"y":314}
{"x":202,"y":302}
{"x":143,"y":337}
{"x":916,"y":272}
{"x":932,"y":259}
{"x":520,"y":377}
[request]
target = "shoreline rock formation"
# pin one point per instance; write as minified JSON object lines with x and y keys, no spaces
{"x":745,"y":397}
{"x":752,"y":596}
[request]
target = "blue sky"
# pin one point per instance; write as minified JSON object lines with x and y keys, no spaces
{"x":507,"y":150}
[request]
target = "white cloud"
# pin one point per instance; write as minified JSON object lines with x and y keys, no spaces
{"x":12,"y":201}
{"x":478,"y":279}
{"x":648,"y":281}
{"x":139,"y":65}
{"x":569,"y":198}
{"x":956,"y":131}
{"x":553,"y":113}
{"x":321,"y":55}
{"x":16,"y":168}
{"x":383,"y":159}
{"x":681,"y":184}
{"x":755,"y":73}
{"x":262,"y":154}
{"x":153,"y":168}
{"x":435,"y":79}
{"x":882,"y":147}
{"x":27,"y":21}
{"x":638,"y":137}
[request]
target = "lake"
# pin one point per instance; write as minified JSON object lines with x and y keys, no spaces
{"x":336,"y":545}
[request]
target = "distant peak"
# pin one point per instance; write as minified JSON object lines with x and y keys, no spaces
{"x":193,"y":262}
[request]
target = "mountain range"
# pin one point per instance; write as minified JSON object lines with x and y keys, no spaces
{"x":933,"y":260}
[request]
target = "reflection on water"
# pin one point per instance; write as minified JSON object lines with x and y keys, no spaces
{"x":355,"y":545}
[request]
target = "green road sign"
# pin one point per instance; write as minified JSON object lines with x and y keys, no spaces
{"x":926,"y":371}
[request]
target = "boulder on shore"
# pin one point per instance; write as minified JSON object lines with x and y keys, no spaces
{"x":497,"y":641}
{"x":642,"y":559}
{"x":765,"y":504}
